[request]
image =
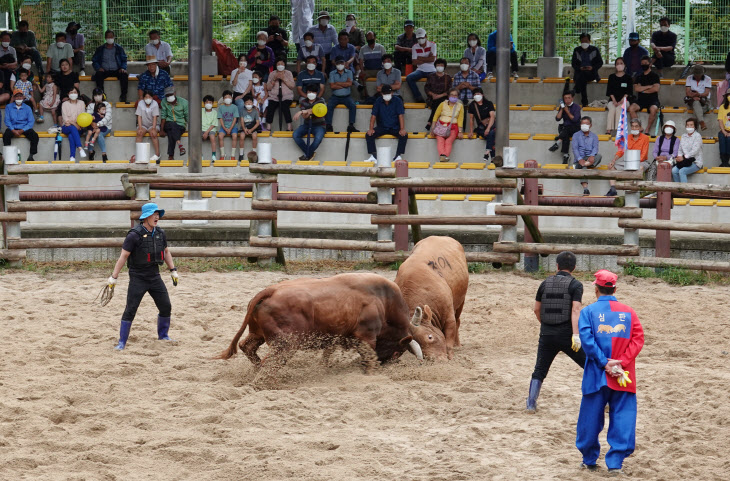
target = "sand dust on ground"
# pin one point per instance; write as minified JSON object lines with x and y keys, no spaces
{"x":71,"y":408}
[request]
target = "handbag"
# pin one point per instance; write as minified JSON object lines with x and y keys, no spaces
{"x":444,"y":130}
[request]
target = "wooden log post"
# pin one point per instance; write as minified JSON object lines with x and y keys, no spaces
{"x":400,"y":234}
{"x":385,"y":196}
{"x":662,"y":244}
{"x":531,"y":197}
{"x":413,"y":210}
{"x":11,"y":193}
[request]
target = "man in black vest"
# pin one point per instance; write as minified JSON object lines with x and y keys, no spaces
{"x":144,"y":250}
{"x":557,"y":307}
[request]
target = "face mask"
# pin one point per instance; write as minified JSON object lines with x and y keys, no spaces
{"x":668,"y":130}
{"x":110,"y":41}
{"x":478,"y":97}
{"x":156,"y":41}
{"x":664,"y":29}
{"x":645,"y":66}
{"x":73,"y":96}
{"x":387,"y":65}
{"x":171,"y":98}
{"x":472,"y":43}
{"x":585,"y":45}
{"x":311,"y":66}
{"x":422,"y":41}
{"x":349,"y":23}
{"x":255,"y":80}
{"x":324,"y":22}
{"x":98,"y":98}
{"x":242,"y":64}
{"x":464,"y":67}
{"x":60,"y":44}
{"x":690,"y":130}
{"x":27,"y":66}
{"x":634,"y":132}
{"x":453,"y":99}
{"x":6,"y":44}
{"x":307,"y":43}
{"x":19,"y":102}
{"x":228,"y":101}
{"x":149,"y":101}
{"x":340,"y":67}
{"x":261,"y":43}
{"x":371,"y":41}
{"x":280,"y":68}
{"x":585,"y":127}
{"x":249,"y":106}
{"x":620,"y":68}
{"x":387,"y":97}
{"x":311,"y":95}
{"x":440,"y":68}
{"x":208,"y":106}
{"x":571,"y":103}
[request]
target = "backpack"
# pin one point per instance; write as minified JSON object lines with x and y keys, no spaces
{"x":226,"y":60}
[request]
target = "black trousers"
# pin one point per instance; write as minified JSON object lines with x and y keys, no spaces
{"x":548,"y":347}
{"x":582,"y":77}
{"x":272,"y":108}
{"x":379,"y":132}
{"x":565,"y":133}
{"x":141,"y":285}
{"x":29,"y":134}
{"x":401,"y":59}
{"x":492,"y":61}
{"x":174,"y":134}
{"x":100,"y":76}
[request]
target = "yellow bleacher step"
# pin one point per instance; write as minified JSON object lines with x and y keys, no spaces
{"x":228,"y":195}
{"x":153,"y":194}
{"x":482,"y":197}
{"x":445,"y":165}
{"x":91,"y":162}
{"x":519,"y":107}
{"x":361,"y":163}
{"x":527,"y":80}
{"x":711,"y":140}
{"x":36,"y":162}
{"x":171,"y":194}
{"x":594,"y":109}
{"x":544,"y":137}
{"x":248,"y":195}
{"x":63,"y":162}
{"x":206,"y":194}
{"x":554,"y":80}
{"x":555,"y":166}
{"x":48,"y":135}
{"x":718,"y":170}
{"x":723,"y":203}
{"x":419,"y":165}
{"x":703,"y":202}
{"x":307,"y":162}
{"x":414,"y":105}
{"x":281,"y":134}
{"x":225,"y":163}
{"x":117,"y":162}
{"x":334,"y":163}
{"x":666,"y":81}
{"x":453,"y":197}
{"x":171,"y":163}
{"x":680,"y":201}
{"x":674,"y":110}
{"x":543,"y":108}
{"x":283,"y":162}
{"x":604,"y":137}
{"x":491,"y":167}
{"x":519,"y":136}
{"x":427,"y":196}
{"x":472,"y":166}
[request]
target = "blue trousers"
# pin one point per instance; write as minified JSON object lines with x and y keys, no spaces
{"x":724,"y":143}
{"x":621,"y":434}
{"x":74,"y":138}
{"x":680,"y":175}
{"x":334,"y":101}
{"x":101,"y":140}
{"x":411,"y":79}
{"x":300,"y":135}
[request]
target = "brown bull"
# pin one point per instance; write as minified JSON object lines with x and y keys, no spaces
{"x":435,"y":276}
{"x":364,"y":311}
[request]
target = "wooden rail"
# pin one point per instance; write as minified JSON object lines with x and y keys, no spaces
{"x":548,"y":210}
{"x":676,"y":188}
{"x":527,"y":248}
{"x":293,"y":205}
{"x":14,"y":179}
{"x":436,"y":182}
{"x":444,"y":220}
{"x":577,"y":174}
{"x":674,"y":225}
{"x":693,"y":264}
{"x":322,"y":170}
{"x":335,"y":244}
{"x":213,"y":215}
{"x":82,"y":205}
{"x":200,"y":178}
{"x":81,"y":169}
{"x":496,"y":257}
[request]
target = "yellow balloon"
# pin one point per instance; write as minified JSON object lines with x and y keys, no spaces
{"x":84,"y":119}
{"x":319,"y":110}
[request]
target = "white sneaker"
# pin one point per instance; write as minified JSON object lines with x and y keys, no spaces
{"x":72,"y":159}
{"x":397,"y":158}
{"x":490,"y":75}
{"x":82,"y":153}
{"x":155,"y":158}
{"x":82,"y":74}
{"x":514,"y":74}
{"x":371,"y":159}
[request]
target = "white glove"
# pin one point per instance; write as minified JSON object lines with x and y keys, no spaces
{"x":111,"y":281}
{"x":175,"y":278}
{"x":575,"y":345}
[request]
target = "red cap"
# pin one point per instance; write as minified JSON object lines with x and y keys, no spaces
{"x":17,"y":92}
{"x":605,"y":278}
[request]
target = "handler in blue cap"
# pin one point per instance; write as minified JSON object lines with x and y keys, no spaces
{"x":144,"y":250}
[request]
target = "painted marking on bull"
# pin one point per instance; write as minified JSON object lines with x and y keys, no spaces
{"x":438,"y":264}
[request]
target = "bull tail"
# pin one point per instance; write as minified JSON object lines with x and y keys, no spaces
{"x":233,"y":348}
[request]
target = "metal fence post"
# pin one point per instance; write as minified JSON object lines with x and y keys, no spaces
{"x":503,"y":78}
{"x":686,"y":31}
{"x":515,"y":20}
{"x":532,"y":261}
{"x":11,"y":7}
{"x":103,"y":16}
{"x":619,"y":31}
{"x":401,"y":200}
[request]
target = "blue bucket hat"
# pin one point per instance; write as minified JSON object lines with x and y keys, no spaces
{"x":149,"y":209}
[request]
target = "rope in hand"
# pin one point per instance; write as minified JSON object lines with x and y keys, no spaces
{"x":106,"y":293}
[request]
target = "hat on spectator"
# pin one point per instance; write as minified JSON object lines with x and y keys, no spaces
{"x":323,"y":14}
{"x":669,"y":123}
{"x":339,"y":59}
{"x":150,"y":60}
{"x":409,"y":23}
{"x":170,"y":90}
{"x":72,"y":25}
{"x":386,"y":89}
{"x":420,"y":33}
{"x":633,"y":36}
{"x":17,"y":92}
{"x":605,"y":278}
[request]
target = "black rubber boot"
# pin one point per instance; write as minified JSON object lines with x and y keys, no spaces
{"x":535,"y":385}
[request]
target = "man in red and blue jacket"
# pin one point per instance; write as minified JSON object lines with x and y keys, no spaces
{"x":612,"y":337}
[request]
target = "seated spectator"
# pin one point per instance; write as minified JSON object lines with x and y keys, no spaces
{"x":25,"y":43}
{"x":250,"y":122}
{"x":260,"y":57}
{"x":19,"y":121}
{"x":7,"y":79}
{"x":689,"y":155}
{"x":636,"y":141}
{"x":158,"y":50}
{"x":388,"y":113}
{"x":76,"y":40}
{"x":586,"y":62}
{"x":646,"y":86}
{"x":389,"y":76}
{"x":97,"y":130}
{"x":104,"y":124}
{"x":310,"y":76}
{"x":466,"y":81}
{"x":278,"y":40}
{"x":71,"y":108}
{"x":228,"y":116}
{"x":723,"y":118}
{"x":477,"y":55}
{"x":620,"y":87}
{"x":481,"y":122}
{"x":6,"y":49}
{"x":59,"y":51}
{"x":26,"y":86}
{"x":110,"y":60}
{"x":354,"y":34}
{"x":492,"y":55}
{"x":697,"y":91}
{"x":241,"y":82}
{"x":174,"y":115}
{"x":404,"y":43}
{"x":209,"y":125}
{"x":666,"y":148}
{"x":148,"y":116}
{"x":345,"y":50}
{"x":153,"y":79}
{"x":633,"y":55}
{"x":424,"y":56}
{"x":585,"y":150}
{"x":311,"y":124}
{"x":51,"y":98}
{"x":65,"y":80}
{"x":341,"y":84}
{"x":437,"y":89}
{"x":569,"y":114}
{"x":310,"y":49}
{"x":281,"y":94}
{"x":260,"y":96}
{"x":24,"y":62}
{"x":663,"y":43}
{"x":324,"y":35}
{"x":371,"y":63}
{"x":449,"y":116}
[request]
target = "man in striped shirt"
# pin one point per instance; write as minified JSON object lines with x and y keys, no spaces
{"x":424,"y":56}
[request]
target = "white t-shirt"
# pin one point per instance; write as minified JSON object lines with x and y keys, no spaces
{"x":426,"y":50}
{"x":700,"y":86}
{"x":243,"y":80}
{"x":148,"y":112}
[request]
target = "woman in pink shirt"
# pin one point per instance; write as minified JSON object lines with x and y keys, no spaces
{"x":70,"y":111}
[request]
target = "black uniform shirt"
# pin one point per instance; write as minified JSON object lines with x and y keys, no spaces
{"x":134,"y":241}
{"x":575,"y":289}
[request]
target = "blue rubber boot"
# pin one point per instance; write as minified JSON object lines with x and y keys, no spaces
{"x":123,"y":334}
{"x":535,"y":385}
{"x":163,"y":325}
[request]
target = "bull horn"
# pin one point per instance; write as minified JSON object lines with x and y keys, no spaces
{"x":417,"y":316}
{"x":415,"y":348}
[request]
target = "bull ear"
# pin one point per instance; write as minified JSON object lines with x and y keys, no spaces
{"x":405,"y":341}
{"x":427,"y":315}
{"x":417,"y":316}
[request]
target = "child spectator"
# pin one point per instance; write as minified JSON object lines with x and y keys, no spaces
{"x":50,"y":99}
{"x":260,"y":96}
{"x":250,"y":121}
{"x":97,"y":127}
{"x":106,"y":122}
{"x":228,"y":119}
{"x":209,"y":123}
{"x":148,"y":115}
{"x":26,"y":86}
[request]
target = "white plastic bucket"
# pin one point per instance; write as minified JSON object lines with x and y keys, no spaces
{"x":509,"y":158}
{"x":633,"y":160}
{"x":142,"y":153}
{"x":264,"y":152}
{"x":10,"y":155}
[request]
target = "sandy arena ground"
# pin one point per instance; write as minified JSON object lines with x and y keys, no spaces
{"x":71,"y":408}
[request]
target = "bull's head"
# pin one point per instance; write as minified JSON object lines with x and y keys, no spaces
{"x":429,"y":337}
